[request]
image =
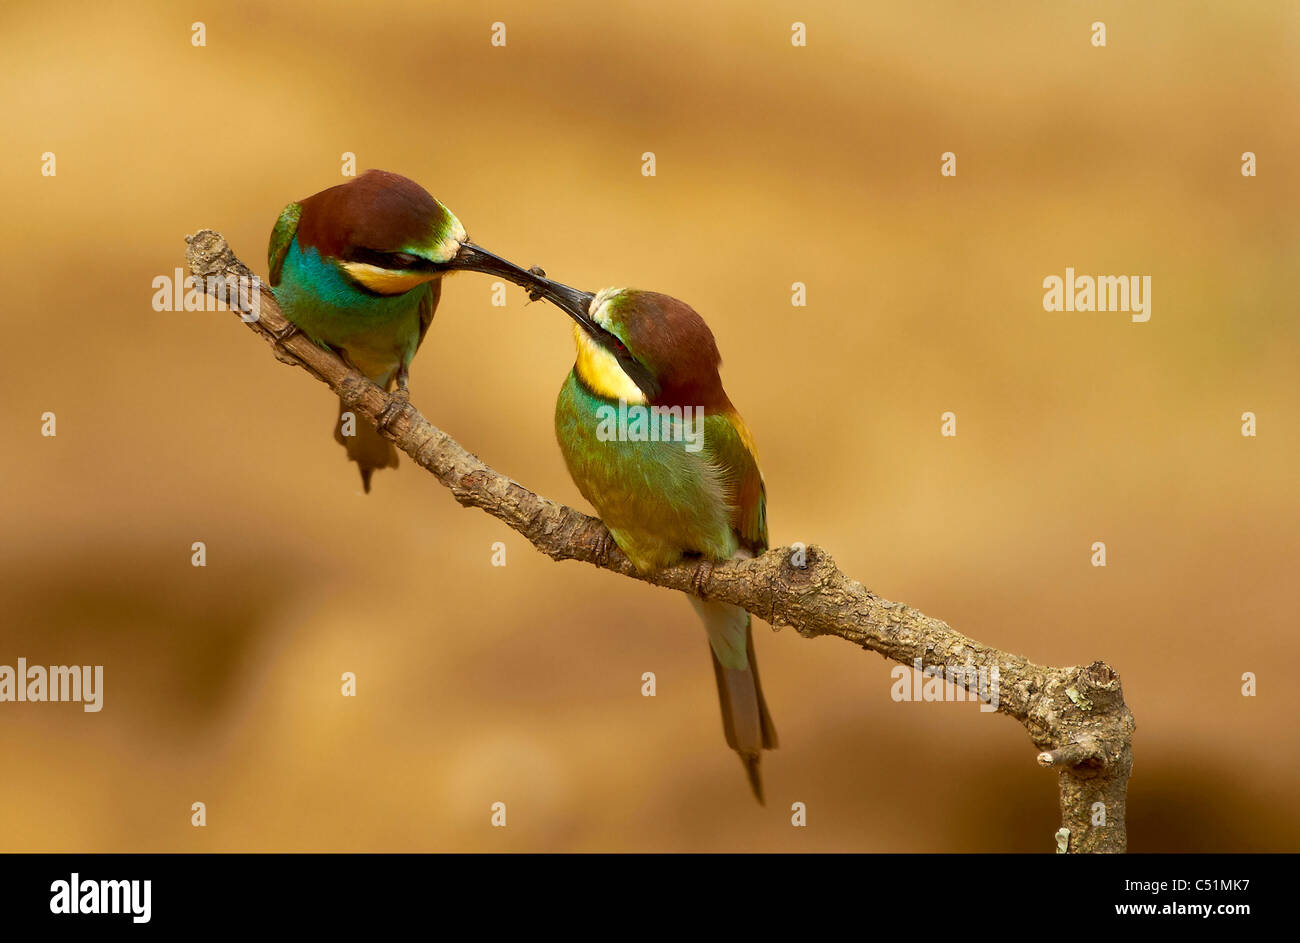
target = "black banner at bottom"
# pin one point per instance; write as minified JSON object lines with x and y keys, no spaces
{"x":618,"y":893}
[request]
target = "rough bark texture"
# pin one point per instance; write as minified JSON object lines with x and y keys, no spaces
{"x":1076,"y":716}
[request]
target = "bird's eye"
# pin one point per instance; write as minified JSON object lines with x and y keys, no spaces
{"x":401,"y":259}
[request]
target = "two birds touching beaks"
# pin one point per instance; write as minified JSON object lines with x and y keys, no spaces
{"x":358,"y":269}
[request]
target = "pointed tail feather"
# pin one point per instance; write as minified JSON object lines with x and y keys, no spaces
{"x":365,"y":446}
{"x":746,"y":722}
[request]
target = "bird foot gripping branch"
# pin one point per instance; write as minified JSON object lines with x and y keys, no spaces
{"x":398,"y":401}
{"x":278,"y":339}
{"x":700,"y":580}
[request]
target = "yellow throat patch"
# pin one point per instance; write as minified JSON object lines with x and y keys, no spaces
{"x":599,"y":369}
{"x":386,"y":281}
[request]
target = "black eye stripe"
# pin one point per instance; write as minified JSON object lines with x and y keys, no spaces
{"x":639,"y":373}
{"x":387,"y":260}
{"x":612,"y":342}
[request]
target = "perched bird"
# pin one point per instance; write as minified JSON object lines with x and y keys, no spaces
{"x":358,"y":269}
{"x":663,"y":500}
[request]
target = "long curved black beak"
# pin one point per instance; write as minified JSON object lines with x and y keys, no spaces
{"x":572,"y":301}
{"x":575,"y":303}
{"x":472,"y":258}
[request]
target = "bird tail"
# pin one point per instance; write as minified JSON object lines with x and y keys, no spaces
{"x":365,"y":445}
{"x":745,"y":719}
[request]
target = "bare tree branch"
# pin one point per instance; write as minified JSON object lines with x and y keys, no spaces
{"x":1075,"y":716}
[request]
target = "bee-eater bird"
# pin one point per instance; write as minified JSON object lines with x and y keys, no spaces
{"x":661,"y":500}
{"x":358,"y":269}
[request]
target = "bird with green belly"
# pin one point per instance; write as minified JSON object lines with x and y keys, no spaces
{"x":358,"y":268}
{"x":664,"y":499}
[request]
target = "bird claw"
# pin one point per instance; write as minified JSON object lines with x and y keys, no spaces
{"x":700,"y":578}
{"x":398,"y":400}
{"x":278,"y":339}
{"x":604,"y":547}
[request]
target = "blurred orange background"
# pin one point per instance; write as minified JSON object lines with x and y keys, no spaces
{"x":775,"y":164}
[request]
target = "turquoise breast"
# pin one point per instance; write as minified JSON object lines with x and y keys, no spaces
{"x":378,"y":332}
